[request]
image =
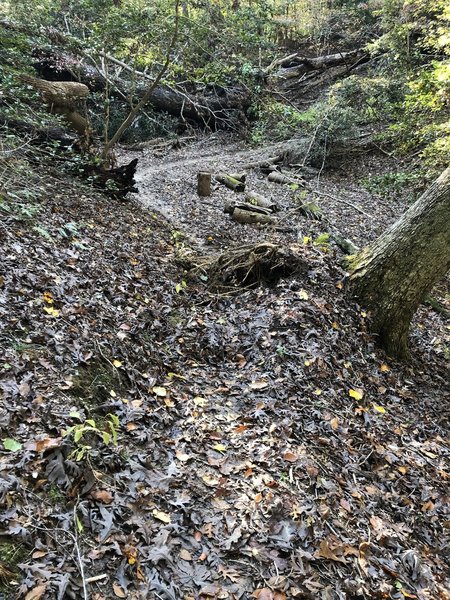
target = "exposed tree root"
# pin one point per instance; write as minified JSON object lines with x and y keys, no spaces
{"x":247,"y":267}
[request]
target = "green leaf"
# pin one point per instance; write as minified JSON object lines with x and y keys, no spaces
{"x":11,"y":445}
{"x":78,"y":435}
{"x":106,"y":437}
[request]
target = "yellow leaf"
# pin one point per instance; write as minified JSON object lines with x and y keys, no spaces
{"x":306,"y":240}
{"x":160,"y":391}
{"x":356,"y":394}
{"x":303,"y":295}
{"x":117,"y":363}
{"x":112,"y":393}
{"x":48,"y":297}
{"x":403,"y":470}
{"x":199,"y":401}
{"x":307,"y":363}
{"x":334,"y":325}
{"x":51,"y":311}
{"x":384,"y":368}
{"x":161,"y":516}
{"x":220,"y":448}
{"x":317,"y":392}
{"x":379,"y":409}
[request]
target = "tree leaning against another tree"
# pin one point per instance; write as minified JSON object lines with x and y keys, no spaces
{"x":392,"y":276}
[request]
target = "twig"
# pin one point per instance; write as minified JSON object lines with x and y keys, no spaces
{"x":341,"y":200}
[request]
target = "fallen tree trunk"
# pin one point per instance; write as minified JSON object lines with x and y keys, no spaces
{"x":214,"y":106}
{"x":39,"y":135}
{"x":295,"y":65}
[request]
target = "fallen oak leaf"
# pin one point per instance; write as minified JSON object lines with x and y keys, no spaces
{"x":325,"y":551}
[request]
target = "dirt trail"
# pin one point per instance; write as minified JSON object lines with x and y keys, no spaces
{"x":167,"y":184}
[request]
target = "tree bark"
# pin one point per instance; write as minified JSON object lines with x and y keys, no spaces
{"x":392,"y":276}
{"x":204,"y":183}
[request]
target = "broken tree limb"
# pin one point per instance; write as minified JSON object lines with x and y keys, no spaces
{"x":256,"y":199}
{"x":204,"y":183}
{"x":61,"y":97}
{"x":341,"y":200}
{"x":230,"y":182}
{"x":251,"y":218}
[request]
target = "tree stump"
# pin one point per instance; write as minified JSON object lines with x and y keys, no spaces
{"x":204,"y":183}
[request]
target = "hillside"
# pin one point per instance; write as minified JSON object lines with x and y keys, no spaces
{"x":193,"y":407}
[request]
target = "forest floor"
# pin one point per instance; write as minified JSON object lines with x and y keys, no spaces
{"x":266,"y":448}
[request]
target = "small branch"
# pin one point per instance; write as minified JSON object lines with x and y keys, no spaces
{"x":145,"y":98}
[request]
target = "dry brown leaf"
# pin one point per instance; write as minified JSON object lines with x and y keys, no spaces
{"x":118,"y":591}
{"x":37,"y":592}
{"x":263,"y":594}
{"x":325,"y":551}
{"x":334,"y":423}
{"x":258,"y":385}
{"x":185,"y":554}
{"x":102,"y":496}
{"x":42,"y":445}
{"x":290,"y":456}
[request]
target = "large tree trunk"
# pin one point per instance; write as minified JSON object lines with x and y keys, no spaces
{"x":392,"y":276}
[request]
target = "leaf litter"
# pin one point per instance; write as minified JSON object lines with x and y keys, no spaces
{"x":265,"y":447}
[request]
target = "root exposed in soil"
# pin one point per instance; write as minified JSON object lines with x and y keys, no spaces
{"x":249,"y":266}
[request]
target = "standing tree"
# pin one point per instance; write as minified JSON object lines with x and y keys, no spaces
{"x":393,"y":275}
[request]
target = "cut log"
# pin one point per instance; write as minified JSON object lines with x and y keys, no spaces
{"x":251,"y":218}
{"x":277,"y":177}
{"x":230,"y":182}
{"x":230,"y":206}
{"x":256,"y":199}
{"x":242,"y":177}
{"x":204,"y":183}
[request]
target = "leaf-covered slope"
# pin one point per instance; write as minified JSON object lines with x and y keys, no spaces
{"x":265,"y":448}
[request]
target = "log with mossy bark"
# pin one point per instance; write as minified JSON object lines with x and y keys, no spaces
{"x":251,"y":218}
{"x":230,"y":182}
